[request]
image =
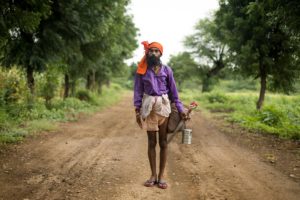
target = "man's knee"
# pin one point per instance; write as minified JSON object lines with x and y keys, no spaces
{"x":152,"y":142}
{"x":163,"y":144}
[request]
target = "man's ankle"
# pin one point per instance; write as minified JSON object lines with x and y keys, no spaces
{"x":160,"y":177}
{"x":153,"y":176}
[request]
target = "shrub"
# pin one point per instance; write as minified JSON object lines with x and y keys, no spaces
{"x":3,"y":120}
{"x":217,"y":97}
{"x":84,"y":95}
{"x":49,"y":86}
{"x":12,"y":86}
{"x":280,"y":114}
{"x":270,"y":115}
{"x":235,"y":85}
{"x":12,"y":136}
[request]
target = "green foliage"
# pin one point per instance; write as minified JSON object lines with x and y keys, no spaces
{"x":208,"y":46}
{"x":275,"y":118}
{"x":216,"y":97}
{"x":4,"y":125}
{"x":90,"y":97}
{"x":84,"y":95}
{"x":82,"y":36}
{"x":12,"y":136}
{"x":261,"y":44}
{"x":279,"y":116}
{"x":49,"y":85}
{"x":184,"y":67}
{"x":39,"y":125}
{"x":237,"y":85}
{"x":207,"y":43}
{"x":80,"y":42}
{"x":12,"y":86}
{"x":17,"y":120}
{"x":290,"y":11}
{"x":270,"y":115}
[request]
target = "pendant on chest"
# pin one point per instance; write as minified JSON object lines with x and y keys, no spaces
{"x":156,"y":69}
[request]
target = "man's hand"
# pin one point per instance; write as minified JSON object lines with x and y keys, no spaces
{"x":138,"y":118}
{"x":184,"y":116}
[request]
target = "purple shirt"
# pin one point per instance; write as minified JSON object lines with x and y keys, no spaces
{"x":156,"y":85}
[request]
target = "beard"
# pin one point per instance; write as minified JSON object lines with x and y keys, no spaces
{"x":153,"y":60}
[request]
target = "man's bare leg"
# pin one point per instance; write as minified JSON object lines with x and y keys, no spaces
{"x":152,"y":153}
{"x":163,"y":148}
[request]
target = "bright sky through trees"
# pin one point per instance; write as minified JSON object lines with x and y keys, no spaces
{"x":167,"y":21}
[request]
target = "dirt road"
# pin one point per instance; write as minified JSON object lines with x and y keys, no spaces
{"x":105,"y":157}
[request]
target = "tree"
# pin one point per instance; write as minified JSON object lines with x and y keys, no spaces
{"x":19,"y":38}
{"x":83,"y":36}
{"x":121,"y":42}
{"x":210,"y":50}
{"x":110,"y":42}
{"x":184,"y":67}
{"x":289,"y":12}
{"x":260,"y":43}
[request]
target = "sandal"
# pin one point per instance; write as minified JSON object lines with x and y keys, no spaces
{"x":150,"y":183}
{"x":162,"y":184}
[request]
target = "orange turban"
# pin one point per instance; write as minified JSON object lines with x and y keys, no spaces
{"x":142,"y":66}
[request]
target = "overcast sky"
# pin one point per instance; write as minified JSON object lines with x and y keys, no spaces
{"x":167,"y":22}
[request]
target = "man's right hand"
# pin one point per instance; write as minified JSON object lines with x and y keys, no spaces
{"x":138,"y":118}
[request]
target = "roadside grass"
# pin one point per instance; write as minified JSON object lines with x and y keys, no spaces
{"x":17,"y":121}
{"x":280,"y":114}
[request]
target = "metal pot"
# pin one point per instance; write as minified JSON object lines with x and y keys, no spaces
{"x":187,"y":136}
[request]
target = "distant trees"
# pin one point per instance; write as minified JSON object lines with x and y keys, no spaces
{"x":22,"y":39}
{"x":207,"y":45}
{"x":261,"y":39}
{"x":89,"y":39}
{"x":263,"y":45}
{"x":184,"y":67}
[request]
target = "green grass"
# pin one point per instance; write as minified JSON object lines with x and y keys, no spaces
{"x":12,"y":135}
{"x":17,"y":121}
{"x":280,"y":114}
{"x":37,"y":126}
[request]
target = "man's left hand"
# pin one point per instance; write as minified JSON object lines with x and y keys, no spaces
{"x":184,"y":116}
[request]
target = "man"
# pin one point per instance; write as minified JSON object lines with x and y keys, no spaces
{"x":154,"y":88}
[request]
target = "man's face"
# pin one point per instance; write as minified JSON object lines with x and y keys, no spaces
{"x":153,"y":57}
{"x":155,"y":52}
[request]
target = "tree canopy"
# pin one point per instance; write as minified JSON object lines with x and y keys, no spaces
{"x":184,"y":67}
{"x":85,"y":37}
{"x":208,"y":46}
{"x":258,"y":39}
{"x":261,"y":43}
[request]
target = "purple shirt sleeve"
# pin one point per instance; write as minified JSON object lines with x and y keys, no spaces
{"x":138,"y":91}
{"x":173,"y":93}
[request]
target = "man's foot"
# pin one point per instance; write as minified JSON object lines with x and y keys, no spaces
{"x":150,"y":183}
{"x":162,"y":184}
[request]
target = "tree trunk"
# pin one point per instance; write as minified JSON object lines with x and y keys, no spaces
{"x":67,"y":85}
{"x":73,"y":88}
{"x":205,"y":84}
{"x":89,"y":81}
{"x":28,"y":37}
{"x":94,"y":84}
{"x":263,"y":86}
{"x":30,"y":79}
{"x":99,"y":90}
{"x":219,"y":64}
{"x":179,"y":86}
{"x":107,"y":83}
